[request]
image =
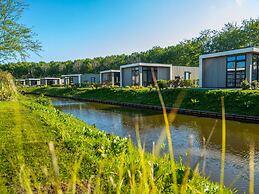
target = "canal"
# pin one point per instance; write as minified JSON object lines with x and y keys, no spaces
{"x":185,"y":129}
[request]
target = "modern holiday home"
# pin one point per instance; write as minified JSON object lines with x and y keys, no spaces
{"x":90,"y":78}
{"x":78,"y":79}
{"x":140,"y":74}
{"x":20,"y":82}
{"x":110,"y":77}
{"x":228,"y":69}
{"x":71,"y":79}
{"x":50,"y":81}
{"x":32,"y":81}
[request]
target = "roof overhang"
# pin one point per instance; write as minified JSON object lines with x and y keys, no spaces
{"x":50,"y":78}
{"x":146,"y":65}
{"x":33,"y":79}
{"x":231,"y":52}
{"x":110,"y":71}
{"x":71,"y":75}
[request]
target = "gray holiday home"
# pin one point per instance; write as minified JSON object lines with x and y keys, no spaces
{"x":228,"y":69}
{"x":140,"y":74}
{"x":32,"y":81}
{"x":71,"y":79}
{"x":50,"y":81}
{"x":110,"y":77}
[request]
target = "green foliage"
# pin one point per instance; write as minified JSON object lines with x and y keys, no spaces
{"x":185,"y":53}
{"x":163,"y":84}
{"x":16,"y":39}
{"x":254,"y":85}
{"x":245,"y":85}
{"x":177,"y":83}
{"x":242,"y":102}
{"x":43,"y":100}
{"x":7,"y":86}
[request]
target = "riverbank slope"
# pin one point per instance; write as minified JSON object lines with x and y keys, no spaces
{"x":238,"y":102}
{"x":80,"y":157}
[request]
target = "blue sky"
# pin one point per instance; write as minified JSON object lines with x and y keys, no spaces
{"x":76,"y":29}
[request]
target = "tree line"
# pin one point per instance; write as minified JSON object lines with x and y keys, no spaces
{"x":185,"y":53}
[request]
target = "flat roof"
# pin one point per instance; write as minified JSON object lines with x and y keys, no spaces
{"x":50,"y":78}
{"x":231,"y":52}
{"x":146,"y":64}
{"x":71,"y":75}
{"x":31,"y":79}
{"x":110,"y":70}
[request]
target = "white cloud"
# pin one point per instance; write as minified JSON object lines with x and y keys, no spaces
{"x":240,"y":2}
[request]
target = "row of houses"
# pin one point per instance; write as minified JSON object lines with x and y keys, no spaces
{"x":216,"y":70}
{"x":139,"y":74}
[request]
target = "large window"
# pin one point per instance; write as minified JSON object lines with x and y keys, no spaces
{"x":135,"y":76}
{"x":236,"y":70}
{"x":255,"y":70}
{"x":147,"y":75}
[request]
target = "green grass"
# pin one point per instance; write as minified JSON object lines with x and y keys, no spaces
{"x":88,"y":160}
{"x":236,"y":101}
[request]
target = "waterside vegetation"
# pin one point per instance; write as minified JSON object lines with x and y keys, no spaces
{"x":243,"y":102}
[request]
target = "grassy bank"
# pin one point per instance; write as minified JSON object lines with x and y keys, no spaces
{"x":83,"y":159}
{"x":236,"y":101}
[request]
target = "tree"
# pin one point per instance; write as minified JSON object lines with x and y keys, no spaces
{"x":16,"y":40}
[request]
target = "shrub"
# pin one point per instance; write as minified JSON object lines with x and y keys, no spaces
{"x":43,"y":100}
{"x":255,"y":85}
{"x":245,"y":85}
{"x":7,"y":86}
{"x":163,"y":84}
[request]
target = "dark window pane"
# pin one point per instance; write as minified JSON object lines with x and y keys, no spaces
{"x":241,"y":57}
{"x":231,"y":79}
{"x":230,"y":65}
{"x":240,"y":76}
{"x":231,"y":58}
{"x":241,"y":64}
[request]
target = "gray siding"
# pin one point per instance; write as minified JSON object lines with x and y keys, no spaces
{"x":179,"y":71}
{"x":90,"y":78}
{"x":126,"y":77}
{"x":214,"y":72}
{"x":163,"y":73}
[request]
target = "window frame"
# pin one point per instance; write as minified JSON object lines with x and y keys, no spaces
{"x":235,"y":70}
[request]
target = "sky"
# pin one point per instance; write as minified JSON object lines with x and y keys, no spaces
{"x":77,"y":29}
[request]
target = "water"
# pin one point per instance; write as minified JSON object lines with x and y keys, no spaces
{"x":122,"y":121}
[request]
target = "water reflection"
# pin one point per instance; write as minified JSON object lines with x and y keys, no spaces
{"x":122,"y":121}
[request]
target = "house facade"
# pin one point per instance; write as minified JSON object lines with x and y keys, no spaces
{"x":90,"y":78}
{"x":32,"y":82}
{"x":50,"y":81}
{"x":20,"y":82}
{"x":185,"y":72}
{"x":71,"y":79}
{"x":228,"y":69}
{"x":140,"y":74}
{"x":110,"y":77}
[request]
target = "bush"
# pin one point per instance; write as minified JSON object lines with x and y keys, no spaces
{"x":245,"y":85}
{"x":43,"y":100}
{"x":163,"y":84}
{"x":255,"y":85}
{"x":7,"y":86}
